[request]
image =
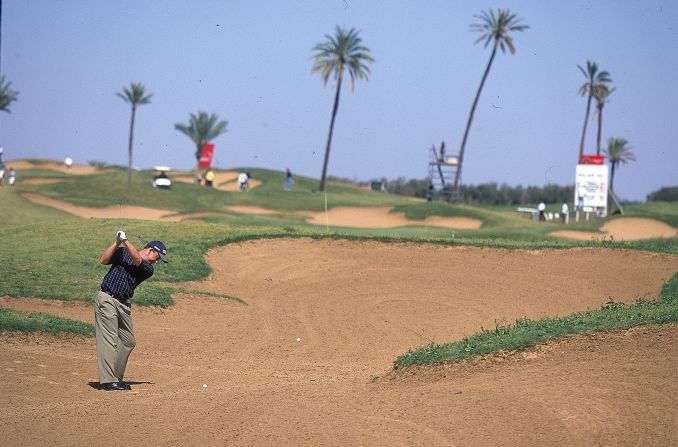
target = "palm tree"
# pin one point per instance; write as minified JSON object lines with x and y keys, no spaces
{"x":593,"y":79}
{"x":134,"y":95}
{"x":201,"y":129}
{"x":7,"y":95}
{"x":618,"y":152}
{"x":343,"y":51}
{"x":494,"y":27}
{"x":601,"y":92}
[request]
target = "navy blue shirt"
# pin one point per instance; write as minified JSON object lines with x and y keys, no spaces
{"x":124,"y":276}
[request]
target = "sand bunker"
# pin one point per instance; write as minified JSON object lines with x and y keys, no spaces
{"x":355,"y":306}
{"x":624,"y":229}
{"x":43,"y":181}
{"x":75,"y":169}
{"x":252,"y":210}
{"x":110,"y":212}
{"x":366,"y":217}
{"x":223,"y":181}
{"x":381,"y":217}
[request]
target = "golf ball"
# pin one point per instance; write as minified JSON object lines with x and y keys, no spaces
{"x":204,"y":385}
{"x":298,"y":339}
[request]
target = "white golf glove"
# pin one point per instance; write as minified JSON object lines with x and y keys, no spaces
{"x":121,"y":236}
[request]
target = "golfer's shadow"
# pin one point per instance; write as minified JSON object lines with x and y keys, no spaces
{"x":98,"y":386}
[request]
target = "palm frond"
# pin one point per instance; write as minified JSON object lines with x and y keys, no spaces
{"x":496,"y":26}
{"x":201,"y":129}
{"x":7,"y":95}
{"x":339,"y":53}
{"x":618,"y":151}
{"x":135,"y":95}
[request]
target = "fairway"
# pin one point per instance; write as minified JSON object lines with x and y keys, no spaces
{"x":308,"y":360}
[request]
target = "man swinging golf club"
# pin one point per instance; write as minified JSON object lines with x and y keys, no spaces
{"x":112,"y":309}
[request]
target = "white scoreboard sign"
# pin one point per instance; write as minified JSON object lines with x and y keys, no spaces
{"x":591,"y":185}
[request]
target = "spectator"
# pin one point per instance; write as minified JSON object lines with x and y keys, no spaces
{"x":11,"y":176}
{"x":288,"y":179}
{"x":243,"y":181}
{"x":209,"y":178}
{"x":68,"y":164}
{"x":542,"y":209}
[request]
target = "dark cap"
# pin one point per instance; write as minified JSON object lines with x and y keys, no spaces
{"x":160,"y":248}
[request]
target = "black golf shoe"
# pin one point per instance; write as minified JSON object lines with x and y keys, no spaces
{"x":116,"y":386}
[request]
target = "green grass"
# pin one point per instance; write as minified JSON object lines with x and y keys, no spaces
{"x":50,"y":254}
{"x":664,"y":211}
{"x":15,"y":210}
{"x":14,"y":321}
{"x":525,"y":333}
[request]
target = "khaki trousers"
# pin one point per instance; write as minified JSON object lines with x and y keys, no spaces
{"x":114,"y":335}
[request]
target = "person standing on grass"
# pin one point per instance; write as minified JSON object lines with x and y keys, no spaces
{"x":243,"y":181}
{"x":542,"y":211}
{"x":112,"y":309}
{"x":209,"y":178}
{"x":288,"y":179}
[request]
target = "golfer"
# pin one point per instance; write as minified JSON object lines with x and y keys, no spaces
{"x":112,"y":309}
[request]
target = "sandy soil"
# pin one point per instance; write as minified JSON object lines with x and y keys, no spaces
{"x":382,"y":217}
{"x":246,"y":209}
{"x":627,"y":229}
{"x":42,"y":181}
{"x":366,"y":217}
{"x":355,"y":306}
{"x":75,"y":169}
{"x":111,"y":212}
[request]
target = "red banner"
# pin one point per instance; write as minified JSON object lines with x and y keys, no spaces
{"x":206,"y":157}
{"x":591,"y":159}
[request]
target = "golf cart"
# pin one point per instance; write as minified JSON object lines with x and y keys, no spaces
{"x":161,"y":180}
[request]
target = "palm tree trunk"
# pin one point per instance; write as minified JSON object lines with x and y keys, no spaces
{"x":457,"y":177}
{"x":329,"y":136}
{"x":583,"y":131}
{"x":198,"y":154}
{"x":129,"y":147}
{"x":600,"y":128}
{"x":612,"y":166}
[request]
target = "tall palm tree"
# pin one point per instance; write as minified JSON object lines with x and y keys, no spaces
{"x":593,"y":79}
{"x":601,"y":92}
{"x":495,"y":27}
{"x":618,"y":152}
{"x":7,"y":95}
{"x":201,"y":129}
{"x":343,"y":51}
{"x":135,"y":95}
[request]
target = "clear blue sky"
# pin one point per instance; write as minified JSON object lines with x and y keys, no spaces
{"x":249,"y":62}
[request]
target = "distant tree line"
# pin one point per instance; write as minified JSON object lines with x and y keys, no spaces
{"x":493,"y":194}
{"x":665,"y":194}
{"x":486,"y":193}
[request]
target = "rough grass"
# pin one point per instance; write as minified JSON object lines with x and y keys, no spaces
{"x":525,"y":333}
{"x":14,"y":321}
